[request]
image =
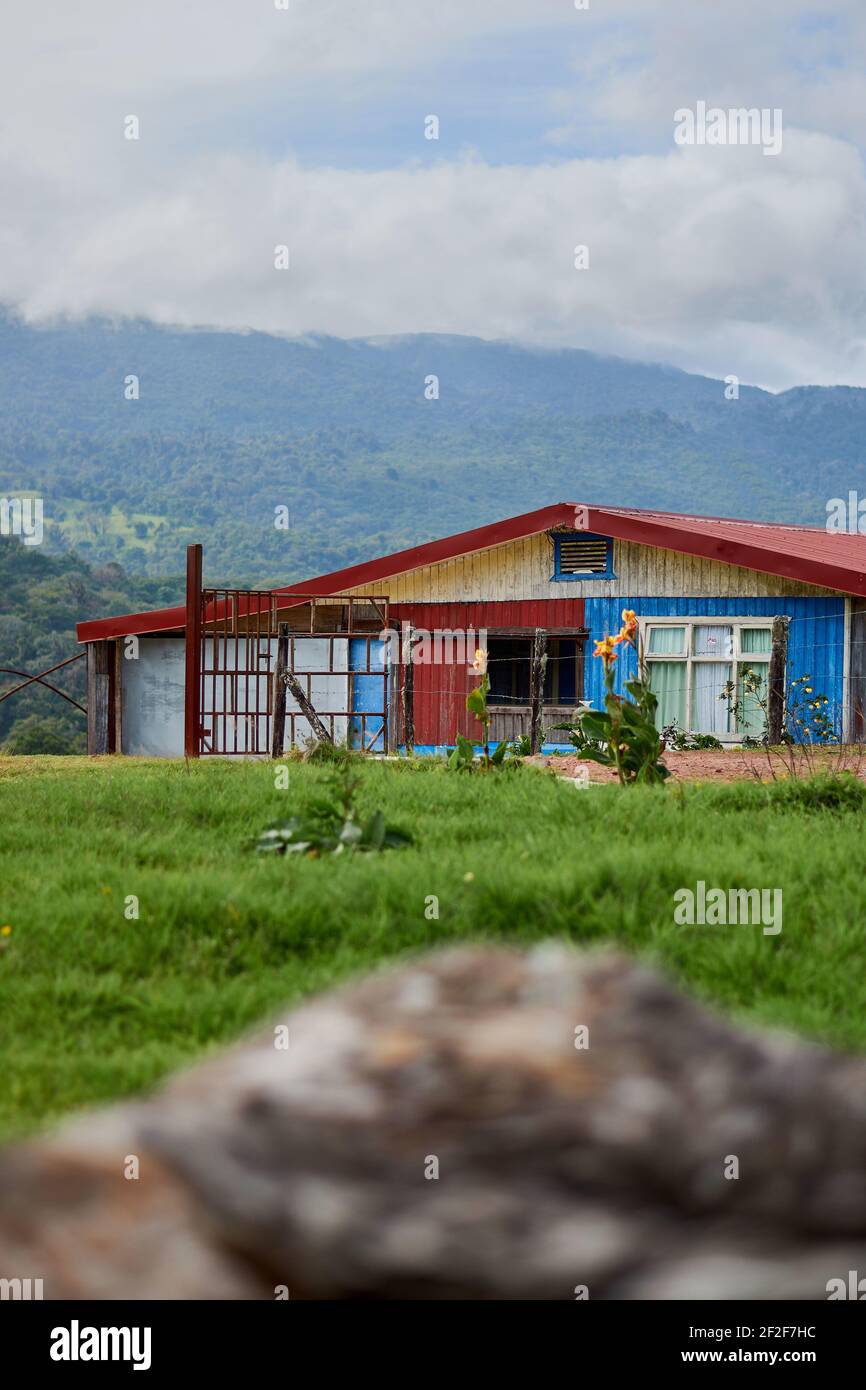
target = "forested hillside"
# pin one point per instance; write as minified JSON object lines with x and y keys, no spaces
{"x":228,"y":427}
{"x":42,"y":597}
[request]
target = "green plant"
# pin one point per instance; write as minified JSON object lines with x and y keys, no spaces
{"x":624,"y":735}
{"x":462,"y":758}
{"x":330,"y":824}
{"x":806,"y":725}
{"x":805,"y":717}
{"x":684,"y":742}
{"x":577,"y":736}
{"x":302,"y":835}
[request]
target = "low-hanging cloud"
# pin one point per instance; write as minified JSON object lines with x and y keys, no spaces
{"x":714,"y":258}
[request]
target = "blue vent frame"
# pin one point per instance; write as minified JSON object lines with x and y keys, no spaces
{"x":560,"y":578}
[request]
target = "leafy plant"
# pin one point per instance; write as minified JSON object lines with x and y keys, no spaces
{"x":302,"y":835}
{"x":684,"y":742}
{"x":805,"y":717}
{"x":462,"y":757}
{"x":806,"y":724}
{"x":331,"y":826}
{"x":624,"y":735}
{"x":577,"y":735}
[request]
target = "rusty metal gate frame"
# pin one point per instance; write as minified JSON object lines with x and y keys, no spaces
{"x":250,"y":620}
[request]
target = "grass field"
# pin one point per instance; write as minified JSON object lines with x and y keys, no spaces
{"x":94,"y":1005}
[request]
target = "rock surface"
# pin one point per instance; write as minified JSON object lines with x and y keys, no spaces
{"x":312,"y":1167}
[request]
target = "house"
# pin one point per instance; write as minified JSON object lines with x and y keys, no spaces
{"x":379,"y":654}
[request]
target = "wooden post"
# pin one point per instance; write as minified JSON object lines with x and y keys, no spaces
{"x":192,"y":692}
{"x":407,"y":690}
{"x":855,"y":726}
{"x":307,"y":710}
{"x":536,"y":689}
{"x":776,"y":682}
{"x":98,"y":697}
{"x":278,"y":692}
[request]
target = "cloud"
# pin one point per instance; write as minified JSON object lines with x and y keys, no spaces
{"x":716,"y":259}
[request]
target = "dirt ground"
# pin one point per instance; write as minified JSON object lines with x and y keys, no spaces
{"x":727,"y":765}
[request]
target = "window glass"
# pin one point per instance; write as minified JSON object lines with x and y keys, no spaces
{"x":709,"y":707}
{"x":668,"y":683}
{"x":751,"y":718}
{"x":755,"y":639}
{"x":667,"y":639}
{"x":713,"y":641}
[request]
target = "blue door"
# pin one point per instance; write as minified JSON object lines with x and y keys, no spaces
{"x":369,"y":683}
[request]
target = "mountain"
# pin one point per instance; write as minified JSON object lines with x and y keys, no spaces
{"x":230,"y":426}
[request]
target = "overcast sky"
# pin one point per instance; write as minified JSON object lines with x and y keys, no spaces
{"x":306,"y":127}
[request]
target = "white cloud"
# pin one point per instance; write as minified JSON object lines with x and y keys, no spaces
{"x":716,"y":259}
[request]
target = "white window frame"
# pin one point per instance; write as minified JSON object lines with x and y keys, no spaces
{"x":736,"y":659}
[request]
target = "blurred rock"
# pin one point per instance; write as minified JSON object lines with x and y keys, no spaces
{"x":314,"y":1166}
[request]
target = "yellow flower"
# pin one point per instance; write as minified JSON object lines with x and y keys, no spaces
{"x":808,"y":689}
{"x":629,"y":625}
{"x":6,"y":931}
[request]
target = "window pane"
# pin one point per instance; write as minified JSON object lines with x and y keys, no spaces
{"x":751,"y":716}
{"x":713,"y":641}
{"x":668,"y":684}
{"x":709,"y":711}
{"x":667,"y":639}
{"x":755,"y":639}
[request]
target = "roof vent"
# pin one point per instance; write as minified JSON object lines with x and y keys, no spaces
{"x":582,"y":554}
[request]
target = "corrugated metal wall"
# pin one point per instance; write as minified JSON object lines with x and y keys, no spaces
{"x":816,"y":639}
{"x":441,"y":689}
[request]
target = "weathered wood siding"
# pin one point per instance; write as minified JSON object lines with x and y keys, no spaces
{"x":522,"y":570}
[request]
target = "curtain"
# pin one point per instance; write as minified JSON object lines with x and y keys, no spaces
{"x":709,"y":712}
{"x":755,"y":639}
{"x":667,"y":639}
{"x":711,"y":640}
{"x":668,"y":684}
{"x":751,"y":720}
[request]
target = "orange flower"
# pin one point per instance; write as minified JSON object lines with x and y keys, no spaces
{"x":605,"y":649}
{"x":629,"y":625}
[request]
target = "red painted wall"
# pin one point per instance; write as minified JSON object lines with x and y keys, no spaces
{"x":441,"y":690}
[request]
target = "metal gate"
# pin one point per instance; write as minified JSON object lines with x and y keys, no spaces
{"x":252,"y":677}
{"x":237,"y":637}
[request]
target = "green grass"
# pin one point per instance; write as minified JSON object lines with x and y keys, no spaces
{"x":94,"y":1006}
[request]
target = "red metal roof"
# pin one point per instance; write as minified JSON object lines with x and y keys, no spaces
{"x":831,"y":560}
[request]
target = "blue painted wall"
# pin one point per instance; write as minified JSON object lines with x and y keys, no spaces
{"x":367,"y":695}
{"x":816,"y":640}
